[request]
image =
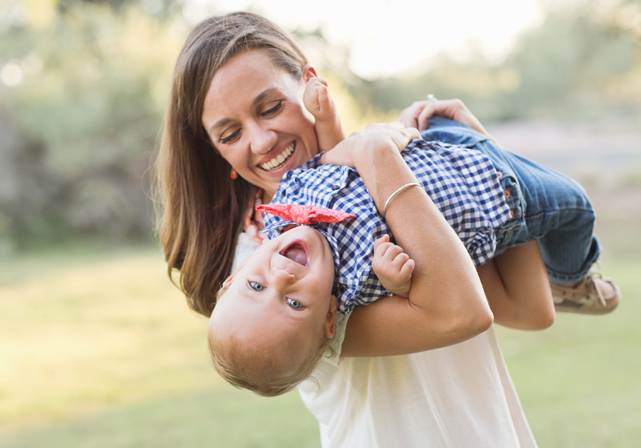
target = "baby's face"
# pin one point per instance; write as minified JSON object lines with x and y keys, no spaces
{"x":282,"y":294}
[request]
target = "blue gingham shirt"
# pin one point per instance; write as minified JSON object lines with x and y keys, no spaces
{"x":462,"y":183}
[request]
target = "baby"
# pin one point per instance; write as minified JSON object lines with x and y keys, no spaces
{"x":276,"y":315}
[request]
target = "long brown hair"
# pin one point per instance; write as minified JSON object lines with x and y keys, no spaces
{"x":202,"y":207}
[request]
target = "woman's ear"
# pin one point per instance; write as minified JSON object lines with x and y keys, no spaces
{"x":308,"y":72}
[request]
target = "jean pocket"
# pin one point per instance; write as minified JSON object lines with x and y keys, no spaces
{"x":514,"y":230}
{"x":513,"y":195}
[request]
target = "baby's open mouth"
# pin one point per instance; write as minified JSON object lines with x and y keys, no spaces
{"x":279,"y":160}
{"x":296,"y":253}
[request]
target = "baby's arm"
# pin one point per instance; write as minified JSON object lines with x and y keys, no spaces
{"x":517,"y":287}
{"x":321,"y":105}
{"x":393,"y":267}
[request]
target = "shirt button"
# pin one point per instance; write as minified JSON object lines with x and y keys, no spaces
{"x":499,"y":174}
{"x":507,"y":193}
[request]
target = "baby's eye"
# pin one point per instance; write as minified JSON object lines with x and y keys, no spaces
{"x":294,"y":303}
{"x":256,"y":286}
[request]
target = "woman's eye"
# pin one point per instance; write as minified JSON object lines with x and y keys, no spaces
{"x":230,"y":137}
{"x":256,"y":286}
{"x":272,"y":110}
{"x":294,"y":303}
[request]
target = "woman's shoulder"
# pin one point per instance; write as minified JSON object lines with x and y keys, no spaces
{"x":245,"y":247}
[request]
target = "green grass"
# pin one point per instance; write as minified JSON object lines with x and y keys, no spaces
{"x":580,"y":381}
{"x":98,"y":349}
{"x":212,"y":417}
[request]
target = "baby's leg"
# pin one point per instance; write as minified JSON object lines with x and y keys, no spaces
{"x":517,"y":288}
{"x":555,"y":210}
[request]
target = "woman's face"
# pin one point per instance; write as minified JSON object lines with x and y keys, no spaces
{"x":254,"y":115}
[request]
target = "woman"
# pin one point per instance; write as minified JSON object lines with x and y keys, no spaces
{"x":217,"y":139}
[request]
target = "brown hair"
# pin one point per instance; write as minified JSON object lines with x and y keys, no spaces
{"x":202,"y":207}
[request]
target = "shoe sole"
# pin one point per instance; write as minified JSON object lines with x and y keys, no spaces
{"x":573,"y":308}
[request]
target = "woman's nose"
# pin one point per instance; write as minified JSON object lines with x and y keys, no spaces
{"x":262,"y":140}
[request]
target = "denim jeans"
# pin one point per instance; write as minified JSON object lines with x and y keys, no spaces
{"x":545,"y":205}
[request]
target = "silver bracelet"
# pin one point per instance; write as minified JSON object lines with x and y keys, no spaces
{"x":413,"y":184}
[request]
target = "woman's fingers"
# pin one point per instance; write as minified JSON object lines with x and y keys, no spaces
{"x":423,"y":118}
{"x":388,"y":135}
{"x":409,"y":116}
{"x":418,"y":114}
{"x":397,"y":132}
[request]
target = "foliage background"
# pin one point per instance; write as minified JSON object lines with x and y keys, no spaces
{"x":84,"y":86}
{"x":98,"y":349}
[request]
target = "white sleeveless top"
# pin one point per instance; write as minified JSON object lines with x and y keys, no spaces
{"x":458,"y":396}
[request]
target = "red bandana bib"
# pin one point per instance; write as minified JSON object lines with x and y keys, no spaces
{"x":305,"y":214}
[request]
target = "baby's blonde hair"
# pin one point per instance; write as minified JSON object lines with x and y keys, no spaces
{"x":249,"y":367}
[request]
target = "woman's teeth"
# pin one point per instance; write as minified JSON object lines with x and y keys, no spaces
{"x":276,"y":162}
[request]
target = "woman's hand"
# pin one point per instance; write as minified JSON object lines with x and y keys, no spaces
{"x":374,"y":137}
{"x":419,"y":113}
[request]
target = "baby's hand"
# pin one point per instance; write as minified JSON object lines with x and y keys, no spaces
{"x":318,"y":101}
{"x":392,"y":266}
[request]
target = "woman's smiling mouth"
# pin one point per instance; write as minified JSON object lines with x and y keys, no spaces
{"x":280,"y":159}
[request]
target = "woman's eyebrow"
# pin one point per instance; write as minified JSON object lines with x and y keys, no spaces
{"x":219,"y":124}
{"x":260,"y":97}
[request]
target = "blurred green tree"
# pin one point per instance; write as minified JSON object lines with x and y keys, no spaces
{"x":583,"y":60}
{"x":85,"y":86}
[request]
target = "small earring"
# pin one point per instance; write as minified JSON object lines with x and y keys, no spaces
{"x":233,"y":174}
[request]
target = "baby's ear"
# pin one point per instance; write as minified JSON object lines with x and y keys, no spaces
{"x":309,"y":72}
{"x":229,"y":279}
{"x":330,"y":319}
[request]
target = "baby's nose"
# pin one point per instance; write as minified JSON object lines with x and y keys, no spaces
{"x":281,"y":276}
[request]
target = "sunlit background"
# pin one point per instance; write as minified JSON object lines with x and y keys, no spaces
{"x":98,"y":349}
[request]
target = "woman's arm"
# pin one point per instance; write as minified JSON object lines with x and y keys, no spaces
{"x":515,"y":282}
{"x":446,"y":303}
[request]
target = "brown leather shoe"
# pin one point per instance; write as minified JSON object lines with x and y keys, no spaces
{"x":592,"y":295}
